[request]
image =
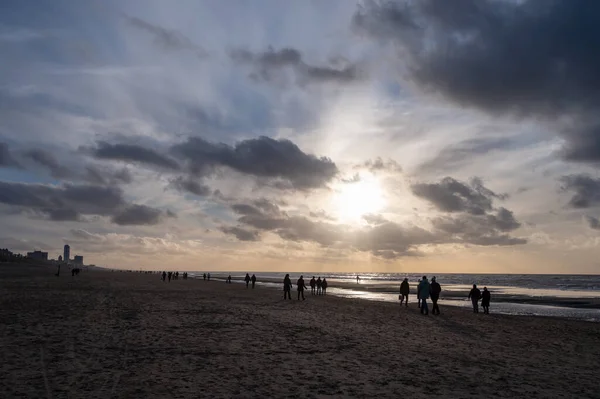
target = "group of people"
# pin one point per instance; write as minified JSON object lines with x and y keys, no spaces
{"x":426,"y":290}
{"x":317,"y":287}
{"x":168,"y":276}
{"x":247,"y":279}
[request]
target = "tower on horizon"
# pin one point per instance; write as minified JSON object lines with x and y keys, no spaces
{"x":67,"y":253}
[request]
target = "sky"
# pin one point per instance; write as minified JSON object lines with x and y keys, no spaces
{"x":369,"y":136}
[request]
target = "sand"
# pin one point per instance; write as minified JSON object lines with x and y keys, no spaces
{"x":126,"y":335}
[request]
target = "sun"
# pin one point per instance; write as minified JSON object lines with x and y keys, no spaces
{"x":351,"y":201}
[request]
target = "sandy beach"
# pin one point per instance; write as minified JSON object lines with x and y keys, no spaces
{"x":123,"y":335}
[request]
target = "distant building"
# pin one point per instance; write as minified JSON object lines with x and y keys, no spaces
{"x":78,"y":260}
{"x":38,"y":255}
{"x":5,"y":252}
{"x":67,"y":253}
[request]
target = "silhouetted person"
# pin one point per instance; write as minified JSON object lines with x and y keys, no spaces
{"x":418,"y":295}
{"x":300,"y":287}
{"x":287,"y":287}
{"x":434,"y":290}
{"x":253,"y":279}
{"x":208,"y":276}
{"x":404,"y":291}
{"x":485,"y":300}
{"x":319,"y":286}
{"x":164,"y":276}
{"x":228,"y":281}
{"x":176,"y":275}
{"x":357,"y":279}
{"x":204,"y":276}
{"x":474,"y":296}
{"x":423,"y":290}
{"x":247,"y":279}
{"x":324,"y":286}
{"x":313,"y":286}
{"x":169,"y":276}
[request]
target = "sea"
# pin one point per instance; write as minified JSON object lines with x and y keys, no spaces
{"x":565,"y":296}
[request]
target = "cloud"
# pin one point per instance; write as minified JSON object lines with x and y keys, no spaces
{"x":532,"y":59}
{"x":592,"y":222}
{"x":6,"y":158}
{"x":167,"y":39}
{"x":380,"y":165}
{"x":586,"y":190}
{"x":374,"y":219}
{"x":48,"y":160}
{"x":275,"y":160}
{"x":189,"y":185}
{"x":270,"y":63}
{"x":464,"y":151}
{"x":138,"y":215}
{"x":450,"y":195}
{"x":69,"y":201}
{"x":102,"y":175}
{"x":241,"y":233}
{"x":132,"y":153}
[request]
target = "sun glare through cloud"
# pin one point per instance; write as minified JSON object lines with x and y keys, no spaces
{"x":352,"y":200}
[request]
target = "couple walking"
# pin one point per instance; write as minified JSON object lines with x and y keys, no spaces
{"x":426,"y":290}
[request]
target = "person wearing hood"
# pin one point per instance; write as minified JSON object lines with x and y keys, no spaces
{"x":253,"y":279}
{"x":434,"y":290}
{"x":485,"y":300}
{"x":247,"y":279}
{"x":287,"y":287}
{"x":423,"y":292}
{"x":404,"y":291}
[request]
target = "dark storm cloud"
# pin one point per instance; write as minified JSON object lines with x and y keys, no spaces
{"x":586,"y":190}
{"x":262,"y":157}
{"x":267,"y":64}
{"x":536,"y":59}
{"x":593,"y":222}
{"x":450,"y":195}
{"x":101,"y":175}
{"x":132,"y":153}
{"x":138,"y":215}
{"x":6,"y":157}
{"x":48,"y":160}
{"x":186,"y":184}
{"x":241,"y":233}
{"x":167,"y":39}
{"x":464,"y":151}
{"x":69,"y":202}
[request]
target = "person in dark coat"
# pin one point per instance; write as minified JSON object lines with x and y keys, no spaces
{"x":324,"y":286}
{"x":485,"y":300}
{"x":319,"y":286}
{"x":474,"y":296}
{"x":300,"y":287}
{"x":404,"y":291}
{"x":434,"y":291}
{"x":253,"y":279}
{"x":247,"y":279}
{"x":313,"y":286}
{"x":287,"y":287}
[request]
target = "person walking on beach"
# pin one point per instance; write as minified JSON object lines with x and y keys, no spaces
{"x":474,"y":296}
{"x":319,"y":286}
{"x":204,"y":276}
{"x":164,"y":276}
{"x":247,"y":279}
{"x":228,"y":281}
{"x":253,"y":279}
{"x":485,"y":300}
{"x":324,"y":286}
{"x":434,"y":290}
{"x":423,"y":292}
{"x":208,"y":276}
{"x":404,"y":291}
{"x":418,"y":294}
{"x":300,"y":287}
{"x":287,"y":287}
{"x":357,"y":279}
{"x":313,"y":285}
{"x":169,"y":276}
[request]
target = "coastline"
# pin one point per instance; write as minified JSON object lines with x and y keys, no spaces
{"x":118,"y":334}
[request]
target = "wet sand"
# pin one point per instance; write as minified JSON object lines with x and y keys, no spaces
{"x":123,"y":335}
